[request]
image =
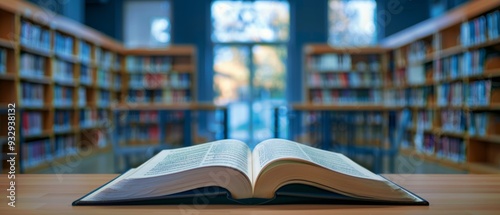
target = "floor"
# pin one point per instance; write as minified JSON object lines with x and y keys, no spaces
{"x":104,"y":163}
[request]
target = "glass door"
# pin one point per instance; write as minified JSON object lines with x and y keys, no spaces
{"x":249,"y":50}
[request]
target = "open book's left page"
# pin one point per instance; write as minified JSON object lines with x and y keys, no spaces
{"x":177,"y":170}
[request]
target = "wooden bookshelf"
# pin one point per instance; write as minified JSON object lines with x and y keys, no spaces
{"x":74,"y":77}
{"x":442,"y":63}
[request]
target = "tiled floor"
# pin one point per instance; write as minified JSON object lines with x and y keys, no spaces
{"x":104,"y":163}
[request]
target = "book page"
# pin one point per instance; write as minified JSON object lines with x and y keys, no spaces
{"x":228,"y":153}
{"x":278,"y":149}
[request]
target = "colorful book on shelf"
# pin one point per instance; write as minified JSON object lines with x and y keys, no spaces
{"x":277,"y":171}
{"x":3,"y":61}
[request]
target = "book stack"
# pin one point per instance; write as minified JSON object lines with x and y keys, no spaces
{"x":3,"y":61}
{"x":148,"y":64}
{"x":453,"y":121}
{"x":65,"y":145}
{"x":36,"y":152}
{"x":62,"y":120}
{"x":136,"y":96}
{"x":481,"y":29}
{"x":395,"y":98}
{"x":32,"y":95}
{"x":62,"y":72}
{"x":102,"y":117}
{"x":32,"y":66}
{"x":32,"y":123}
{"x":34,"y":36}
{"x":63,"y":44}
{"x":64,"y":96}
{"x":427,"y":144}
{"x":457,"y":66}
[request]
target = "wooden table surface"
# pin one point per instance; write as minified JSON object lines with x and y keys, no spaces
{"x":447,"y":194}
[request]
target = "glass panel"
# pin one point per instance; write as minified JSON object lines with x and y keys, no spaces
{"x":352,"y":22}
{"x":147,"y":23}
{"x":243,"y":21}
{"x":232,"y":87}
{"x":269,"y":88}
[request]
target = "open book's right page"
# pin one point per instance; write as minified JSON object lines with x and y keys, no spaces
{"x":277,"y":149}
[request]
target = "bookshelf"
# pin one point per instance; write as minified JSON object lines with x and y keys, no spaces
{"x":68,"y":79}
{"x":445,"y":71}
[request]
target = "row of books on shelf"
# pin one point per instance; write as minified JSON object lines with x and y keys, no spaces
{"x":3,"y":61}
{"x":32,"y":94}
{"x":473,"y":94}
{"x":63,"y":96}
{"x":148,"y":64}
{"x":369,"y":118}
{"x":143,"y":133}
{"x":345,"y":80}
{"x":34,"y":35}
{"x":32,"y":123}
{"x":90,"y":118}
{"x":417,"y":51}
{"x":85,"y":75}
{"x":117,"y":82}
{"x":85,"y":52}
{"x":104,"y":58}
{"x":103,"y":98}
{"x":153,"y":81}
{"x":35,"y":152}
{"x":341,"y":63}
{"x":63,"y":44}
{"x":366,"y":135}
{"x":62,"y":120}
{"x":143,"y":116}
{"x":454,"y":121}
{"x":82,"y":97}
{"x":443,"y":147}
{"x":158,"y":96}
{"x":32,"y":65}
{"x":346,"y":97}
{"x":424,"y":120}
{"x":63,"y":72}
{"x":463,"y":65}
{"x":481,"y":29}
{"x":103,"y":78}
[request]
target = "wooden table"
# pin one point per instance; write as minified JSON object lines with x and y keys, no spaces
{"x":447,"y":194}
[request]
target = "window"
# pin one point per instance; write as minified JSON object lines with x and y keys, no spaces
{"x":243,"y":21}
{"x":250,"y":41}
{"x":147,"y":23}
{"x":352,"y":22}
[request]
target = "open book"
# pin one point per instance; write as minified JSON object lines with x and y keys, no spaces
{"x":276,"y":171}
